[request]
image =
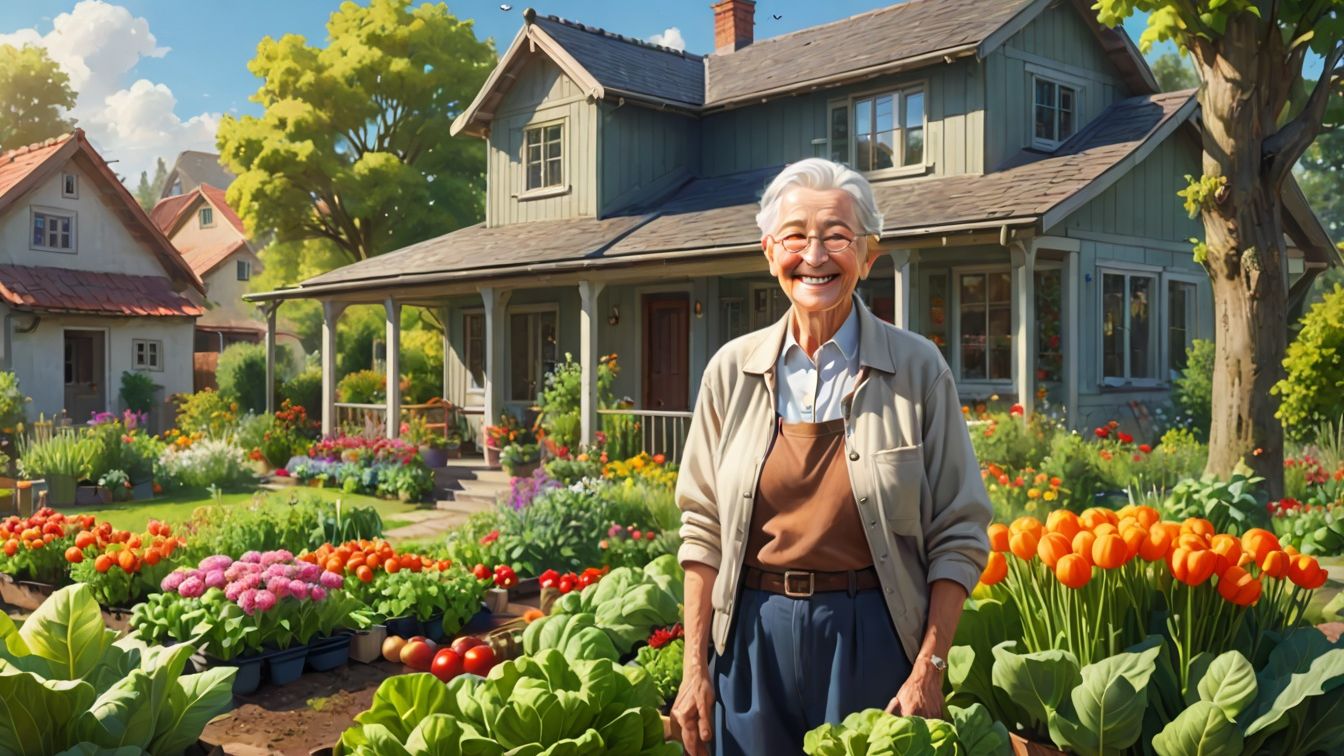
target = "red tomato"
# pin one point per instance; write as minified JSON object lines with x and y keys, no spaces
{"x":466,"y":643}
{"x":447,"y":664}
{"x":481,"y":572}
{"x":566,"y":584}
{"x":418,"y":654}
{"x":478,"y":660}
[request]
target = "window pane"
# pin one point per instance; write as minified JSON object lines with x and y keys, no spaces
{"x":1112,"y":325}
{"x":1001,"y":342}
{"x":863,"y":117}
{"x":1141,"y":327}
{"x":1180,"y":298}
{"x":1001,"y":288}
{"x":840,"y":134}
{"x":1066,"y":120}
{"x":914,"y":110}
{"x":863,"y":152}
{"x":884,"y":113}
{"x":971,"y":322}
{"x":534,"y":175}
{"x":553,"y":133}
{"x":39,"y":230}
{"x":520,"y":382}
{"x":1045,"y":123}
{"x":474,"y":325}
{"x":914,"y":146}
{"x":1049,"y":354}
{"x":1045,"y":93}
{"x":884,"y":155}
{"x":533,"y":137}
{"x":553,"y":172}
{"x":553,"y":149}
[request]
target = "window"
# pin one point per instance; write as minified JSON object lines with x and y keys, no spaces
{"x":473,"y":329}
{"x":543,"y":155}
{"x":1181,"y":301}
{"x":1055,"y":110}
{"x":532,"y":355}
{"x":881,"y":131}
{"x":207,"y":217}
{"x":70,"y":185}
{"x":985,"y":325}
{"x":244,"y":270}
{"x":1129,"y":343}
{"x":176,"y":188}
{"x":53,"y":232}
{"x":768,"y":305}
{"x":148,"y":354}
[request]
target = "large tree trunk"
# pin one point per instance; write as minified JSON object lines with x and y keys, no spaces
{"x":1244,"y":234}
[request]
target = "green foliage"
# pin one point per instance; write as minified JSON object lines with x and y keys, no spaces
{"x":207,"y":412}
{"x":664,"y":665}
{"x":303,"y":522}
{"x":64,"y":454}
{"x":1012,"y":442}
{"x":206,"y":463}
{"x":1233,"y":506}
{"x":873,"y":731}
{"x":34,"y":92}
{"x":1322,"y":178}
{"x":147,"y":191}
{"x":1314,"y":530}
{"x":362,"y":387}
{"x":12,"y":402}
{"x":137,"y":391}
{"x":69,"y":683}
{"x":363,"y":126}
{"x":623,"y":608}
{"x":1073,"y":460}
{"x":1173,"y":73}
{"x":530,"y":705}
{"x":241,"y":374}
{"x":453,"y":594}
{"x":1199,"y":193}
{"x":304,"y":390}
{"x":1192,"y":392}
{"x":1312,"y":391}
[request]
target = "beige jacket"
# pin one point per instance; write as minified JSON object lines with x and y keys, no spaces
{"x":915,"y":477}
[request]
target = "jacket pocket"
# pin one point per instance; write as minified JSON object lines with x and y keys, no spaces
{"x":898,"y":479}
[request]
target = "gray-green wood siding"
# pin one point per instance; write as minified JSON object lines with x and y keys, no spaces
{"x":643,"y":153}
{"x":1144,"y":202}
{"x":542,"y":93}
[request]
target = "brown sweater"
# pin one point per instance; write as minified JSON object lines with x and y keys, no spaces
{"x":804,"y":516}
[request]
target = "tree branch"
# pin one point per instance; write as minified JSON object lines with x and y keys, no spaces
{"x":1285,"y":146}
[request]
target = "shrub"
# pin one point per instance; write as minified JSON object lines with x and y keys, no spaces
{"x":12,"y":402}
{"x":304,"y":390}
{"x":1193,"y":390}
{"x":362,"y":387}
{"x":1313,"y":389}
{"x":204,"y":463}
{"x":302,"y":521}
{"x":241,"y":375}
{"x":1006,"y":439}
{"x":137,"y":391}
{"x":1073,"y":460}
{"x":1233,"y":506}
{"x":64,"y":454}
{"x":208,"y":413}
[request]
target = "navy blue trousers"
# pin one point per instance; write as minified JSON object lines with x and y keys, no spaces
{"x":791,"y":665}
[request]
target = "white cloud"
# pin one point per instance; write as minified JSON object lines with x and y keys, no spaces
{"x":671,"y":37}
{"x":98,"y":45}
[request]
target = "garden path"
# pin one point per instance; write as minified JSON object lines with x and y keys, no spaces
{"x":463,"y":488}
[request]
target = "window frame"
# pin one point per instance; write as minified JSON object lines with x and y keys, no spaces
{"x":1157,"y":317}
{"x":1057,"y":79}
{"x":954,"y":327}
{"x":153,"y":353}
{"x":53,"y":212}
{"x":545,"y":190}
{"x":243,"y":270}
{"x":72,"y":181}
{"x":205,"y":216}
{"x":536,"y":309}
{"x":900,"y":92}
{"x":471,"y":387}
{"x":1192,"y":330}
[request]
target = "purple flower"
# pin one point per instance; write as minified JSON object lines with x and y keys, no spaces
{"x":172,"y":580}
{"x":216,"y":562}
{"x":247,"y":601}
{"x":215,"y":579}
{"x":192,"y":587}
{"x":319,"y":593}
{"x":251,"y":556}
{"x":265,"y":600}
{"x":331,"y":580}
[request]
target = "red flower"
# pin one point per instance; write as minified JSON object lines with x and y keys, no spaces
{"x":1125,"y":438}
{"x":1145,"y":448}
{"x":1102,"y":432}
{"x":1016,"y":409}
{"x":665,"y":635}
{"x":490,"y":537}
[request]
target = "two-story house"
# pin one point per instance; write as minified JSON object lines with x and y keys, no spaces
{"x":89,"y":287}
{"x":1024,"y":160}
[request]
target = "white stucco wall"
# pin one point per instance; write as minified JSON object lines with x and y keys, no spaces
{"x":224,"y":292}
{"x":102,"y":242}
{"x":39,"y":356}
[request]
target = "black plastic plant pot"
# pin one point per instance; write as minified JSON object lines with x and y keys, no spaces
{"x":286,"y":666}
{"x":433,"y":628}
{"x":406,"y":627}
{"x":326,"y":654}
{"x":248,"y":678}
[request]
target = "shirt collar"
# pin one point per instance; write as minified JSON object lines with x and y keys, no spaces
{"x":846,"y":338}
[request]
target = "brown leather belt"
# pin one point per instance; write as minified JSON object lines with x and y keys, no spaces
{"x":802,"y":584}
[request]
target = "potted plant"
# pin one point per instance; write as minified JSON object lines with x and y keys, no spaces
{"x":62,"y":460}
{"x":433,"y":446}
{"x":519,"y":460}
{"x":499,"y":436}
{"x":114,"y":485}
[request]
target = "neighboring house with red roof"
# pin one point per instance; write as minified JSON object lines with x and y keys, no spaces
{"x":89,"y":286}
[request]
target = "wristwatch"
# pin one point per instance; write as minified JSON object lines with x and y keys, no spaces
{"x":938,"y":662}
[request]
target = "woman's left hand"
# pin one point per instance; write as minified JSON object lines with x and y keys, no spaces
{"x":922,"y":693}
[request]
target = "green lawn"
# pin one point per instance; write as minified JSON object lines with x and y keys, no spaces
{"x":176,"y":508}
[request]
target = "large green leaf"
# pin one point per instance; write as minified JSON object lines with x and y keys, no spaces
{"x":192,"y":702}
{"x":1201,"y":730}
{"x":398,"y":706}
{"x":35,"y":714}
{"x":436,"y":735}
{"x":1280,"y":695}
{"x":1038,"y":682}
{"x":624,"y":734}
{"x":68,"y":631}
{"x":92,"y":749}
{"x":118,"y":718}
{"x":978,"y":732}
{"x":1104,"y":714}
{"x":896,"y":736}
{"x":585,"y":745}
{"x":1229,"y":684}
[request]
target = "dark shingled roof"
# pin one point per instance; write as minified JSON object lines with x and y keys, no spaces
{"x":630,"y":65}
{"x":884,"y":36}
{"x":718,"y":213}
{"x":194,"y":168}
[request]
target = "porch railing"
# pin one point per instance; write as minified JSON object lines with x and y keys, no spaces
{"x":369,"y":419}
{"x":356,"y":419}
{"x":630,"y":431}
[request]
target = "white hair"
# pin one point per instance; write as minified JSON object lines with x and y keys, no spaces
{"x":820,"y":174}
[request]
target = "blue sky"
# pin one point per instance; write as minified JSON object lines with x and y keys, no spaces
{"x":196,"y":67}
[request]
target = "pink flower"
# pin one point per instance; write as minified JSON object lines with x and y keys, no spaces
{"x":216,"y":562}
{"x":251,"y":556}
{"x":192,"y":587}
{"x":319,"y":593}
{"x":232,"y":591}
{"x":298,"y":589}
{"x":331,"y":580}
{"x":265,"y":600}
{"x":309,"y":572}
{"x":247,"y":601}
{"x":215,"y":579}
{"x":278,"y":585}
{"x":171,"y":581}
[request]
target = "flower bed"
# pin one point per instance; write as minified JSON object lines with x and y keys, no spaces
{"x":381,"y":467}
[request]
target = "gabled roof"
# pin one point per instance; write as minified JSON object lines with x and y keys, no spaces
{"x":169,"y":212}
{"x":206,"y":258}
{"x":193,"y":168}
{"x":69,"y":290}
{"x":25,"y":168}
{"x":899,"y":37}
{"x":166,"y":211}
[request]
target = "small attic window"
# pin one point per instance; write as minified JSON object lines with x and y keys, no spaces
{"x":207,"y":217}
{"x":70,"y":185}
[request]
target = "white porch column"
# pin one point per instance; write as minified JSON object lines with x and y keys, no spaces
{"x":393,"y":366}
{"x":589,"y":318}
{"x":269,"y":309}
{"x":444,"y":314}
{"x":331,"y":312}
{"x":1070,"y":328}
{"x":900,"y":303}
{"x":496,"y":306}
{"x":1024,"y":324}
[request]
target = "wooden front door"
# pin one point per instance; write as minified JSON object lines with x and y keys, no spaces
{"x":667,"y":348}
{"x":85,"y":393}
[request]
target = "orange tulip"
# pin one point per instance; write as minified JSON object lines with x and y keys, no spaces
{"x":1094,"y":516}
{"x":1302,"y":571}
{"x":1192,"y":567}
{"x":1227,"y":549}
{"x":1023,"y":545}
{"x":1192,"y":541}
{"x":1259,"y":542}
{"x":998,"y":537}
{"x":1108,"y":552}
{"x":1052,"y":547}
{"x":1073,"y":571}
{"x":1064,"y":522}
{"x":996,"y":568}
{"x":1146,"y":515}
{"x":1274,"y":564}
{"x":1199,"y":526}
{"x":1082,"y":544}
{"x":1134,"y":538}
{"x":1026,"y":524}
{"x":1156,"y":544}
{"x":1239,"y":587}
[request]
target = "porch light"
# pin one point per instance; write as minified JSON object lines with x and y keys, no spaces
{"x":699,"y":309}
{"x":614,"y":316}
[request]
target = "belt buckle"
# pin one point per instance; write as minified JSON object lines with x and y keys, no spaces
{"x":811,"y":583}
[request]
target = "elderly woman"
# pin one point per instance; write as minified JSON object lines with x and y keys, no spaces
{"x":833,"y":515}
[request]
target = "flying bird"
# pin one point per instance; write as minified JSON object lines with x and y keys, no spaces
{"x":506,"y":7}
{"x":777,"y":16}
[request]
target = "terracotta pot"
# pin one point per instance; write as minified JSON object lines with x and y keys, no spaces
{"x":1024,"y":747}
{"x":523,"y":470}
{"x":492,"y":457}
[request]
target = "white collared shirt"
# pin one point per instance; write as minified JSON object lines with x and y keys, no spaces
{"x":812,"y":392}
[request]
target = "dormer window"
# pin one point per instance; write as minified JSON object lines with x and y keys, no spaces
{"x":879,"y":132}
{"x":207,"y":217}
{"x":53,"y":231}
{"x":543,"y":153}
{"x":69,"y":186}
{"x":1055,"y":112}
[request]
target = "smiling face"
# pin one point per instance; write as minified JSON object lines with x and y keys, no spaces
{"x":814,"y":279}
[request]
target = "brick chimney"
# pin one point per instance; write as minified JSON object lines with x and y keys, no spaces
{"x":733,"y":20}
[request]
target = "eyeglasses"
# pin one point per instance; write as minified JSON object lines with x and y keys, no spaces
{"x":833,"y":243}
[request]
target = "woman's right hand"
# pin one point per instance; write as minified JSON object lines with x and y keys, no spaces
{"x":693,"y":711}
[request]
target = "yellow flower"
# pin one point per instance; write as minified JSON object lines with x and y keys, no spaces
{"x":1033,"y":493}
{"x":1050,"y":495}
